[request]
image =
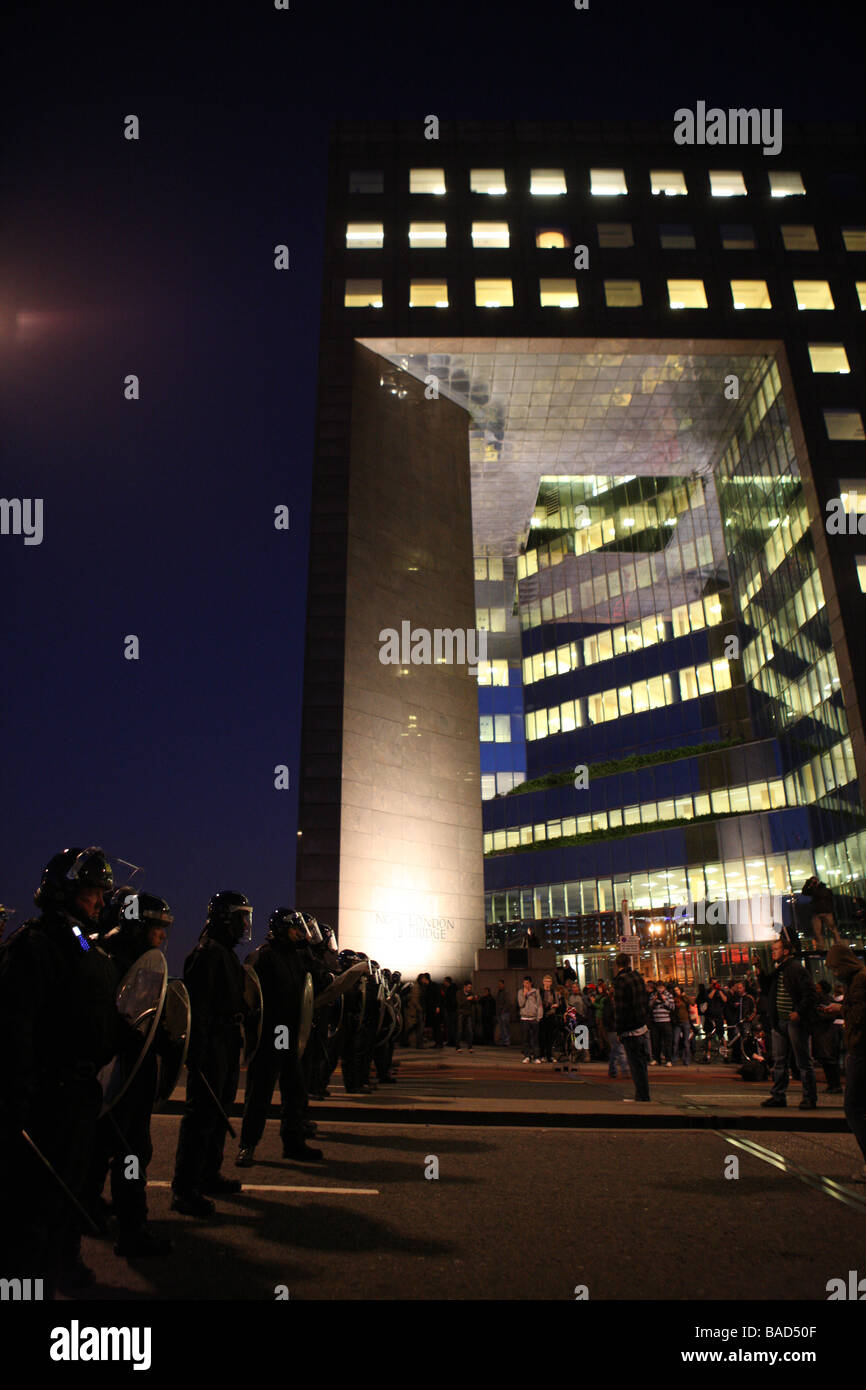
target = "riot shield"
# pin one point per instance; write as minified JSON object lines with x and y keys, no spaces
{"x":139,"y":999}
{"x":342,"y":983}
{"x":253,"y":1013}
{"x":172,"y":1041}
{"x":305,"y":1014}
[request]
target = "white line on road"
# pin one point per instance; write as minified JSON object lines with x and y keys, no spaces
{"x":284,"y":1187}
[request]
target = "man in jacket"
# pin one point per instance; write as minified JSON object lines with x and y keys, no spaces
{"x":845,"y":965}
{"x":630,"y":1015}
{"x":531,"y":1011}
{"x":792,"y":1005}
{"x":661,"y":1007}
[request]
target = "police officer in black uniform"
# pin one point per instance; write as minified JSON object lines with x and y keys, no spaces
{"x":59,"y":1025}
{"x":132,"y":924}
{"x":281,"y":965}
{"x":214,"y":978}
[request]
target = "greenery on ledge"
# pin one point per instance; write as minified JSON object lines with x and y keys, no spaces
{"x":629,"y":764}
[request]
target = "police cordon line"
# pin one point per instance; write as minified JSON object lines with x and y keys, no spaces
{"x":94,"y":1037}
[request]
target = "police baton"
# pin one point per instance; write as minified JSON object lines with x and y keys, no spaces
{"x":57,"y":1178}
{"x":226,"y":1120}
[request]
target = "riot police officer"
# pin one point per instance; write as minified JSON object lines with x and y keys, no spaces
{"x":214,"y":978}
{"x":281,"y":965}
{"x":59,"y":1025}
{"x":132,"y":924}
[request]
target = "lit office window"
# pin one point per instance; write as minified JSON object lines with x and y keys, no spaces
{"x":677,"y":237}
{"x":607,"y":183}
{"x":785,"y":185}
{"x":489,"y":234}
{"x":852,"y":492}
{"x":854,"y":238}
{"x":616,"y":236}
{"x":545,"y":183}
{"x":860,"y":286}
{"x":502,"y":728}
{"x":687,"y":294}
{"x":428,"y":294}
{"x":844,"y":424}
{"x":365,"y":236}
{"x":366,"y":181}
{"x":551,"y":239}
{"x":622,"y":294}
{"x":558,"y":294}
{"x":427,"y":236}
{"x":490,"y":181}
{"x":738,"y":237}
{"x":799,"y":238}
{"x":363,"y":294}
{"x":670,"y":182}
{"x":427,"y":181}
{"x":813,"y":294}
{"x":485,"y":728}
{"x":829,"y":357}
{"x":861,"y":572}
{"x":727,"y":183}
{"x":750,"y":294}
{"x":494,"y":294}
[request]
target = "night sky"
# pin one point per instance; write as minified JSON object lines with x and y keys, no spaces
{"x":155,"y":257}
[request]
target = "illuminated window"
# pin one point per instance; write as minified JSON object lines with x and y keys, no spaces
{"x":670,"y":182}
{"x":545,"y":183}
{"x":738,"y":237}
{"x":488,"y":234}
{"x":485,"y":728}
{"x":364,"y":236}
{"x":852,"y":492}
{"x":616,"y":236}
{"x":844,"y":424}
{"x":750,"y":294}
{"x":558,"y":294}
{"x":677,"y":237}
{"x":363,"y":294}
{"x":551,"y":239}
{"x":861,"y":572}
{"x":427,"y":181}
{"x":428,"y":294}
{"x":494,"y":294}
{"x":607,"y":183}
{"x":502,"y":728}
{"x":726,"y":183}
{"x":854,"y":238}
{"x":622,"y":294}
{"x":813,"y":294}
{"x":828,"y":357}
{"x":425,"y":236}
{"x":366,"y":181}
{"x":799,"y":238}
{"x":860,"y":286}
{"x":785,"y":185}
{"x":490,"y":181}
{"x":687,"y":294}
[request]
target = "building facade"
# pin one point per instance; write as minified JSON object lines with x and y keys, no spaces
{"x":593,"y":401}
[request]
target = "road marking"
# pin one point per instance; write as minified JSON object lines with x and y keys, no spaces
{"x":285,"y":1187}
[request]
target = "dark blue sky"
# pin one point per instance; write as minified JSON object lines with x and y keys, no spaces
{"x":155,"y":258}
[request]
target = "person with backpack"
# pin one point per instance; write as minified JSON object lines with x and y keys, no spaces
{"x":845,"y":965}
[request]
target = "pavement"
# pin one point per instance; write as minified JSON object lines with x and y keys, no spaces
{"x":478,"y":1178}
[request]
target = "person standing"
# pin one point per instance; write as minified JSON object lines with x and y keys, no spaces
{"x":531,"y":1011}
{"x":503,"y":1014}
{"x":488,"y":1016}
{"x":547,"y":1023}
{"x":846,"y":967}
{"x":59,"y":1025}
{"x":415,"y":1014}
{"x":449,"y":1006}
{"x":682,"y":1027}
{"x":434,"y":1005}
{"x":617,"y":1051}
{"x":661,"y":1007}
{"x":465,"y":1025}
{"x":823,"y":916}
{"x":214,"y":978}
{"x":630,"y":1016}
{"x":792,"y":1005}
